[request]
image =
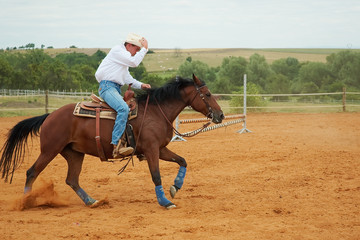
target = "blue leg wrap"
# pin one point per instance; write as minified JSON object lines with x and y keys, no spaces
{"x":163,"y":201}
{"x":85,"y":197}
{"x":179,"y":180}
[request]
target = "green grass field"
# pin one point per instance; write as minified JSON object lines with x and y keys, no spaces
{"x":169,"y":60}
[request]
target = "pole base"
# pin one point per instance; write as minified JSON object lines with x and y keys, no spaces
{"x":244,"y":130}
{"x":178,"y":138}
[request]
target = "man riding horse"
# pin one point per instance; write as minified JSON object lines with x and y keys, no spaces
{"x":113,"y":73}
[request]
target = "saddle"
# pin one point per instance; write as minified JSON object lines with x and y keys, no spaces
{"x":97,"y":108}
{"x":89,"y":108}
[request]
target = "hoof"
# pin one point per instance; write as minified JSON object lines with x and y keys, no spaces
{"x":99,"y":203}
{"x":173,"y":190}
{"x":170,"y":206}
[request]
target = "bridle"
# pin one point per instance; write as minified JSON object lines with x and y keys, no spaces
{"x":201,"y":95}
{"x":197,"y":88}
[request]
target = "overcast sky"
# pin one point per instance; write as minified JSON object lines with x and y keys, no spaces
{"x":182,"y":23}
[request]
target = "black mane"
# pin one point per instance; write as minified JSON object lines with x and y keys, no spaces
{"x":170,"y":90}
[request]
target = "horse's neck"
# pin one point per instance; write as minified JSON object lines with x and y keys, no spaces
{"x":172,"y":109}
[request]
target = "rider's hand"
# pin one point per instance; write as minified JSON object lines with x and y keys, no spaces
{"x":144,"y":43}
{"x":145,"y":86}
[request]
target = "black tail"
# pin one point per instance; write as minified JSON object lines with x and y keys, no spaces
{"x":14,"y":147}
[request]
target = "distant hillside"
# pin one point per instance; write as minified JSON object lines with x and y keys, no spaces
{"x":171,"y":59}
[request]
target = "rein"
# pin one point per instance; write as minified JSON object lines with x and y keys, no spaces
{"x":131,"y":158}
{"x":194,"y":133}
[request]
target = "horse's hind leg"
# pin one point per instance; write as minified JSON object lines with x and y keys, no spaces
{"x":75,"y":160}
{"x":167,"y":155}
{"x":33,"y":172}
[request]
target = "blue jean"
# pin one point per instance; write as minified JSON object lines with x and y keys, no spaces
{"x":111,"y":93}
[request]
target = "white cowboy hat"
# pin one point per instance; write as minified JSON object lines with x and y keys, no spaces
{"x":134,"y":39}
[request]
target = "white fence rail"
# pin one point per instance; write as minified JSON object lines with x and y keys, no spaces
{"x":39,"y":93}
{"x":343,"y":101}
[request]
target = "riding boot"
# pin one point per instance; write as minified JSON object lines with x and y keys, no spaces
{"x":121,"y":150}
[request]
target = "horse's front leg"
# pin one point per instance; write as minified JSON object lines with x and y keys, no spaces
{"x":153,"y":162}
{"x":167,"y":155}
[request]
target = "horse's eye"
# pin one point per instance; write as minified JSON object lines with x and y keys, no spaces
{"x":208,"y":94}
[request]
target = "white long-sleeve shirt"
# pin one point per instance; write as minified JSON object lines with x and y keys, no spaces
{"x":115,"y":66}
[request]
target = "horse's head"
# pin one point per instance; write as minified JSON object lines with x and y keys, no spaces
{"x":203,"y":101}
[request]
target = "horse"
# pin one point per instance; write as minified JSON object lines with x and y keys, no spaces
{"x":74,"y":136}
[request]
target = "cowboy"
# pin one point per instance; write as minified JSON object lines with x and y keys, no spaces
{"x":113,"y":73}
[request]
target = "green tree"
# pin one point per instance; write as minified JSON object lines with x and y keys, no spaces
{"x":30,"y":46}
{"x":309,"y":87}
{"x":251,"y":101}
{"x":58,"y":75}
{"x":37,"y":67}
{"x":258,"y":70}
{"x":138,"y":72}
{"x":6,"y":72}
{"x":97,"y":57}
{"x":345,"y":66}
{"x":317,"y":73}
{"x":222,"y":86}
{"x":231,"y":72}
{"x":336,"y":86}
{"x":276,"y":84}
{"x":288,"y":67}
{"x":88,"y":81}
{"x":200,"y":69}
{"x":154,"y":80}
{"x":74,"y":58}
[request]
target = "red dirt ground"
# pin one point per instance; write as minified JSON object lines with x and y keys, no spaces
{"x":296,"y":176}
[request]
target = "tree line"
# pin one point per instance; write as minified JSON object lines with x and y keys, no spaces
{"x":286,"y":75}
{"x":34,"y":69}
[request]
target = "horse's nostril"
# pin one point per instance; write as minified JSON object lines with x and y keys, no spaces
{"x":222,"y":116}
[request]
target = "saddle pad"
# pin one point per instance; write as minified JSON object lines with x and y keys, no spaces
{"x":78,"y":111}
{"x":81,"y":112}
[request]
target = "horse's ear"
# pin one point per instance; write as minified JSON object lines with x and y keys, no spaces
{"x":196,"y":80}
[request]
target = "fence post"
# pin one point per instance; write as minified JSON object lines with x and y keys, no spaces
{"x":244,"y":129}
{"x":47,"y":101}
{"x":344,"y":99}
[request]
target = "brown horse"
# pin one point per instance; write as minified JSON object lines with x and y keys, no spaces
{"x":73,"y":137}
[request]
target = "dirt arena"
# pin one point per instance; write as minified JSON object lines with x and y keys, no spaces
{"x":296,"y":176}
